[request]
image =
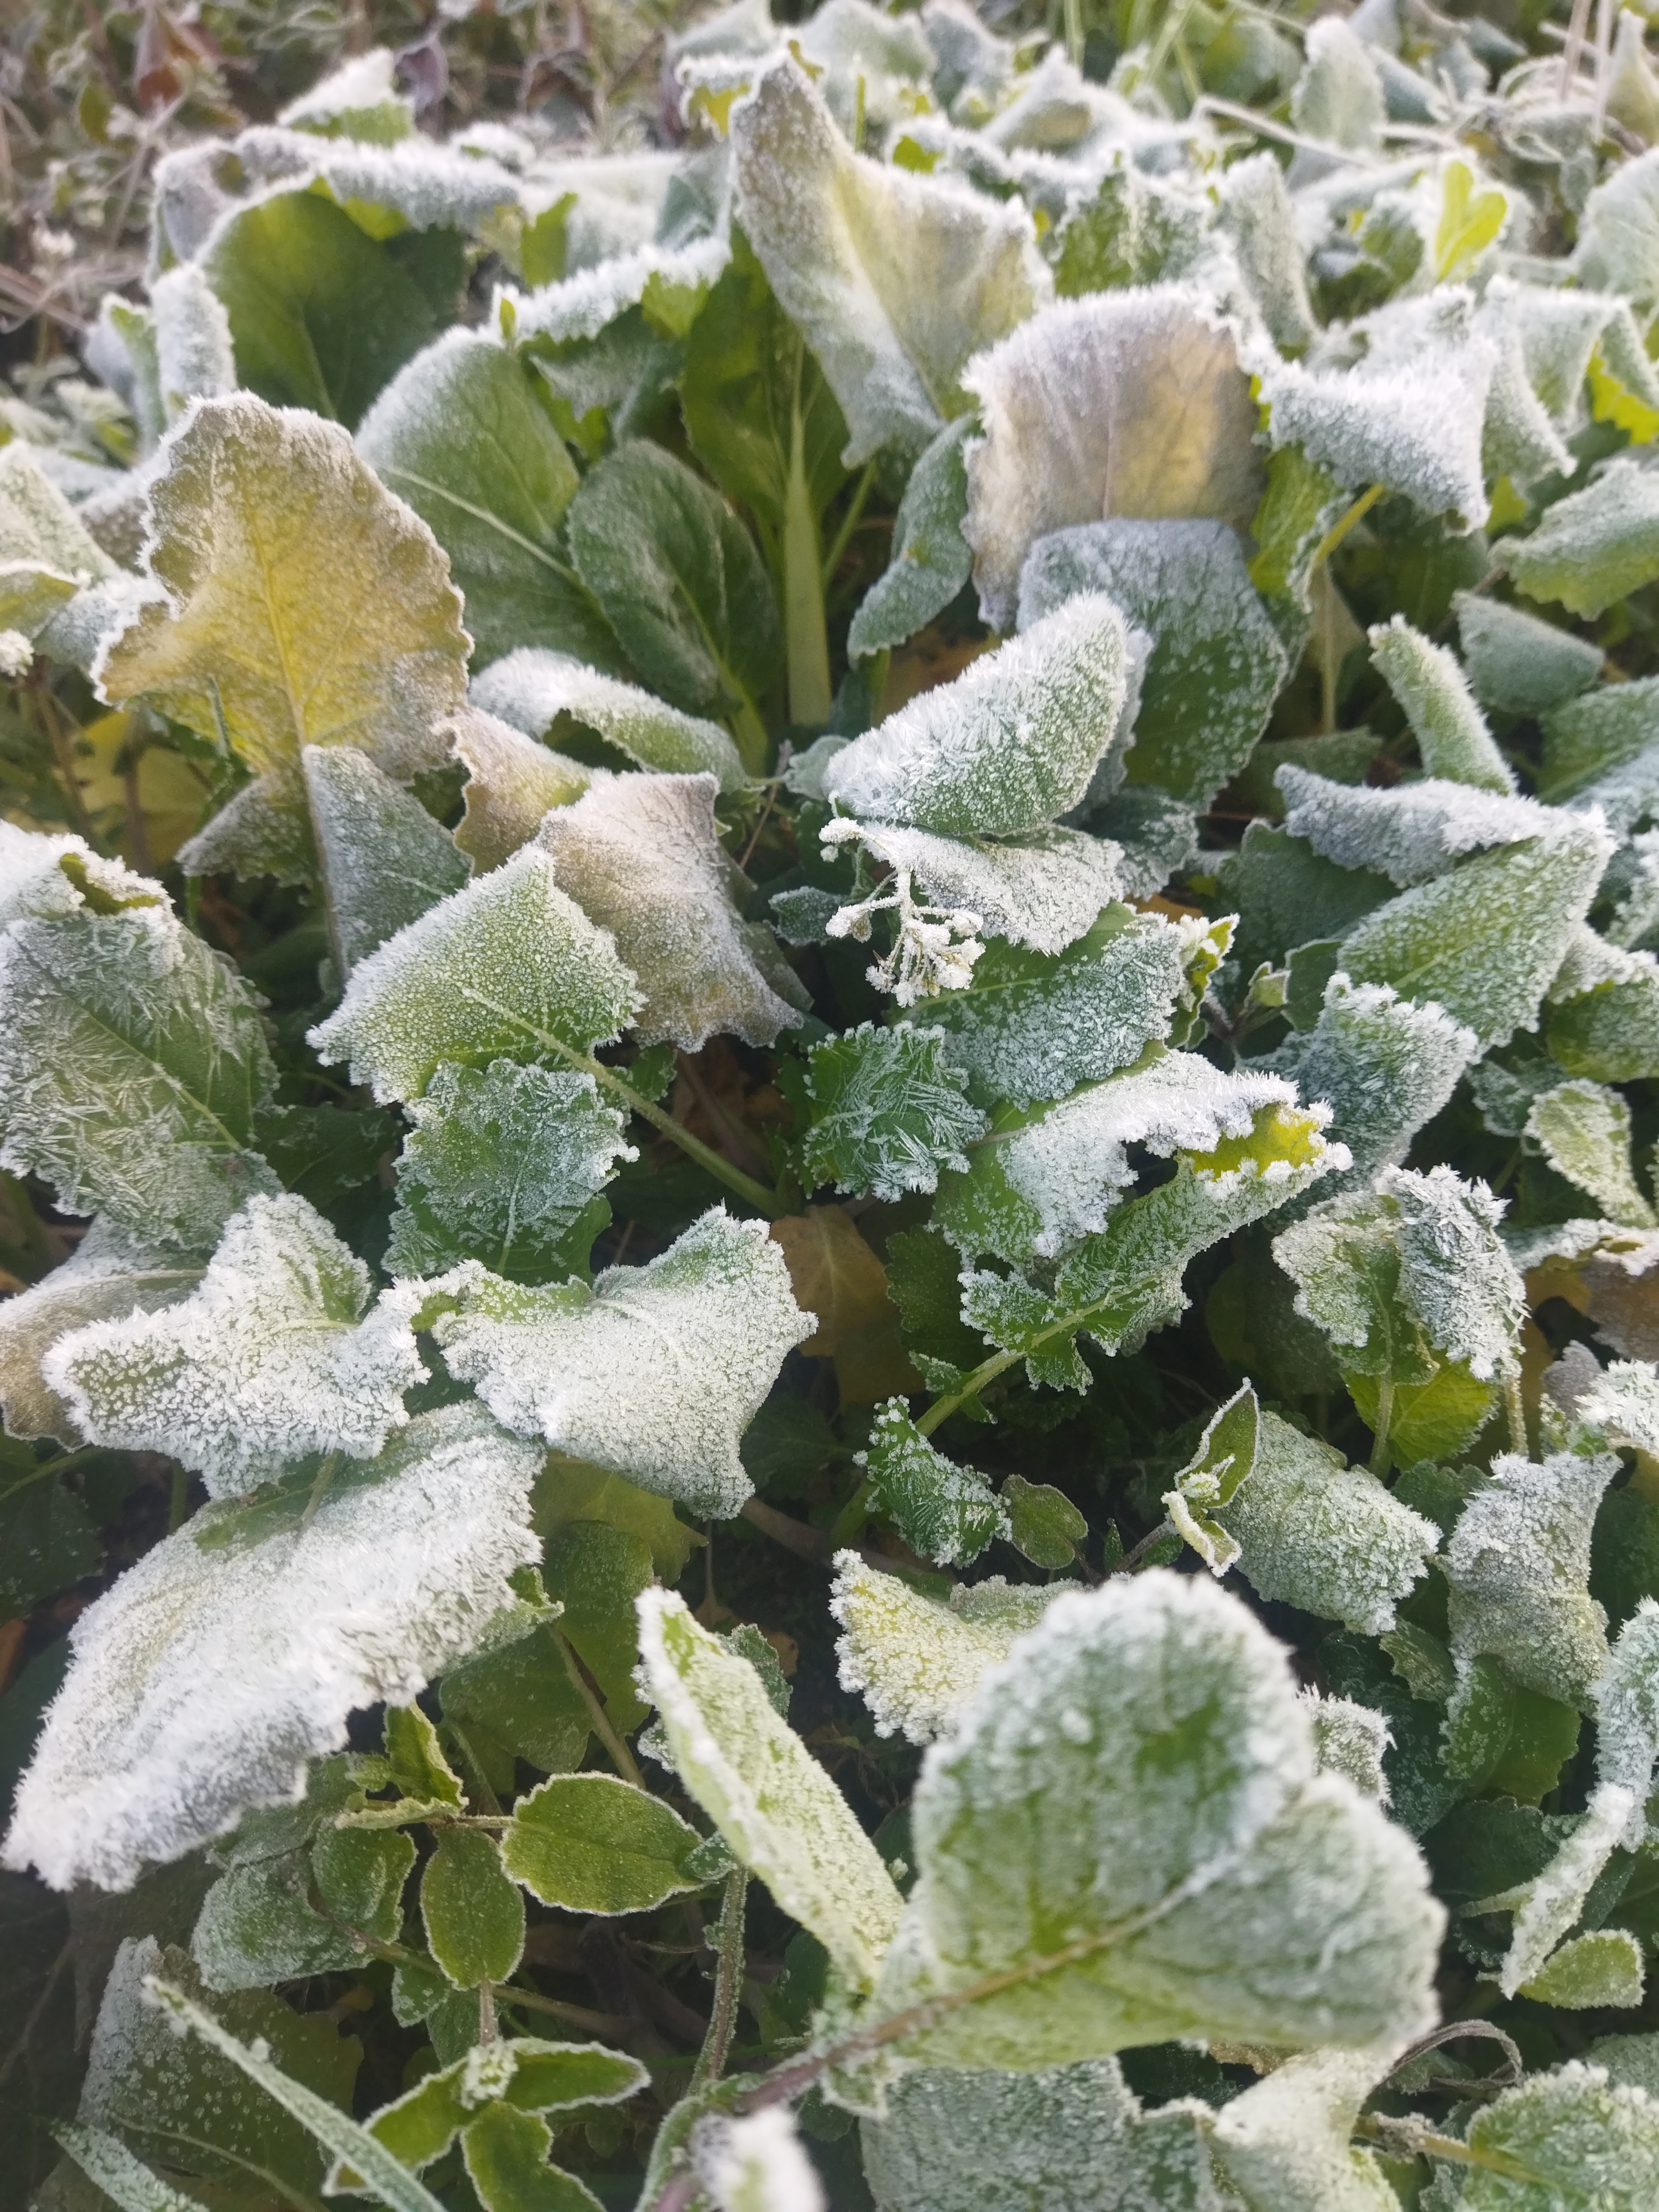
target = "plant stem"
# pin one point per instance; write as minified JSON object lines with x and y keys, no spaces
{"x":987,"y":1372}
{"x":807,"y":643}
{"x":1380,"y":1438}
{"x":763,"y":1201}
{"x":603,"y":1729}
{"x":178,"y":1498}
{"x":1345,"y":522}
{"x":487,"y":2031}
{"x":729,"y":1983}
{"x":1516,"y":1406}
{"x":1074,"y":33}
{"x":849,"y":523}
{"x":1131,"y":1560}
{"x":319,"y":1490}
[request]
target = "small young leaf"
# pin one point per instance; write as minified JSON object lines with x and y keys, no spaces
{"x":415,"y":1761}
{"x":917,"y":1662}
{"x":1575,"y":2137}
{"x":1225,"y":1456}
{"x":1593,"y":547}
{"x":931,"y":559}
{"x":945,"y":1513}
{"x":472,"y":1914}
{"x":888,"y":1111}
{"x":1042,"y":1522}
{"x":505,"y":2154}
{"x":1451,"y":733}
{"x":1602,"y":1969}
{"x":591,"y":1843}
{"x":774,"y":1805}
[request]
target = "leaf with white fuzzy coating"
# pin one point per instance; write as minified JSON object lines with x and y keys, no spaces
{"x":1410,"y":834}
{"x":1627,"y":1716}
{"x":888,"y":1110}
{"x":655,"y":1373}
{"x":1384,"y":1065}
{"x":1624,"y":1404}
{"x":945,"y":1512}
{"x":777,"y":1808}
{"x":1126,"y":1839}
{"x":1583,"y":1131}
{"x":1223,"y":1460}
{"x":916,"y":1661}
{"x":1547,"y":1907}
{"x":488,"y":973}
{"x":931,"y":559}
{"x":1008,"y":746}
{"x":1517,"y":1566}
{"x":1069,"y":2138}
{"x":1602,"y":1020}
{"x":894,"y":279}
{"x":271,"y":1357}
{"x":1568,"y":2140}
{"x":204,"y":1680}
{"x":1324,"y":1536}
{"x":1593,"y":547}
{"x":1451,"y":732}
{"x":641,"y":856}
{"x":540,"y":692}
{"x":1126,"y":403}
{"x":1350,"y":1738}
{"x":1284,"y":2143}
{"x":1518,"y":663}
{"x":511,"y":783}
{"x":383,"y":858}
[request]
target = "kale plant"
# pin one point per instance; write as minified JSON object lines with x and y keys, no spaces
{"x":828,"y":1068}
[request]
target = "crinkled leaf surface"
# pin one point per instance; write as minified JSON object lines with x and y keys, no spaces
{"x":914,"y":1659}
{"x":1572,"y":2138}
{"x":888,"y":1110}
{"x":511,"y":783}
{"x":538,"y":691}
{"x":1594,"y":546}
{"x":204,"y":1679}
{"x":1450,"y":730}
{"x":945,"y":1512}
{"x":1410,"y":834}
{"x":384,"y":859}
{"x":1385,"y":1066}
{"x":1584,"y":1130}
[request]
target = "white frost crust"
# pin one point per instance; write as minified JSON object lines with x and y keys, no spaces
{"x":1555,"y":1897}
{"x":1122,"y":403}
{"x":1350,"y":1738}
{"x":1285,"y":2143}
{"x":1624,"y":1404}
{"x":1044,"y":891}
{"x":1454,"y":1269}
{"x":757,"y":2164}
{"x":33,"y":884}
{"x":1627,"y":1716}
{"x":1071,"y":1166}
{"x":426,"y":184}
{"x":1410,"y":833}
{"x":1009,"y":745}
{"x":204,"y":1680}
{"x":579,"y":306}
{"x":269,"y":1358}
{"x":531,"y":688}
{"x":1384,"y":1065}
{"x":655,"y":1373}
{"x":915,"y":1662}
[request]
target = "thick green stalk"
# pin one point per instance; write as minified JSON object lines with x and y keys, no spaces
{"x":807,"y":643}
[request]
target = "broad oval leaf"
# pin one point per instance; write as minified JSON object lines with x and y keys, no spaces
{"x":592,"y":1843}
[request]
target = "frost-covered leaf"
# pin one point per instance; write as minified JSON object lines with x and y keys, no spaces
{"x":1351,"y":1739}
{"x":461,"y":435}
{"x":1339,"y":96}
{"x":1120,"y":403}
{"x":108,"y":1276}
{"x":1284,"y":2143}
{"x":473,"y":1915}
{"x":1126,"y":1838}
{"x":258,"y":1925}
{"x":1596,"y":750}
{"x":541,"y":693}
{"x":495,"y":970}
{"x":46,"y":552}
{"x":1603,"y":1969}
{"x":1324,"y":1536}
{"x":758,"y":2163}
{"x":888,"y":1110}
{"x":894,"y":279}
{"x":1602,"y":1020}
{"x":1042,"y":1522}
{"x":1216,"y":665}
{"x":1583,"y":1131}
{"x":1042,"y":1181}
{"x":1621,"y":230}
{"x":1624,"y":1403}
{"x":502,"y":1165}
{"x":1009,"y":745}
{"x":773,"y":1802}
{"x":1567,"y":2141}
{"x":1593,"y":547}
{"x":1547,"y":1906}
{"x":592,"y":1843}
{"x":680,"y":581}
{"x":931,"y":559}
{"x":269,"y":1358}
{"x":1035,"y":1025}
{"x":655,"y":1372}
{"x":111,"y":2167}
{"x":1627,"y":1699}
{"x":384,"y":859}
{"x":1518,"y":1567}
{"x":203,"y":1681}
{"x":1384,"y":1065}
{"x":641,"y":855}
{"x":945,"y":1513}
{"x":132,"y":1064}
{"x":1485,"y":941}
{"x":1069,"y":2138}
{"x":511,"y":781}
{"x":1408,"y":415}
{"x":1410,"y":834}
{"x":265,"y":524}
{"x":1519,"y":663}
{"x":1452,"y":737}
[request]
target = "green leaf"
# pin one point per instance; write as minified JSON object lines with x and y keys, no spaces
{"x":523,"y":1698}
{"x":270,"y":1357}
{"x":46,"y":1539}
{"x":1284,"y":2143}
{"x":1584,"y":1130}
{"x":596,"y":1572}
{"x":132,"y":1064}
{"x":506,"y":2156}
{"x":1563,"y":2141}
{"x":641,"y":855}
{"x":1216,"y":665}
{"x":257,"y":1924}
{"x":1323,"y":1537}
{"x":777,"y":1808}
{"x":916,"y":1660}
{"x":571,"y":1490}
{"x":1036,"y":1025}
{"x":887,"y":1111}
{"x":678,"y":578}
{"x":1435,"y":1418}
{"x":320,"y":316}
{"x":548,"y":695}
{"x":893,"y":279}
{"x":1042,"y":1522}
{"x":263,"y":526}
{"x":1451,"y":733}
{"x":503,"y":1164}
{"x":1225,"y":1456}
{"x":1485,"y":941}
{"x":384,"y":860}
{"x":494,"y":971}
{"x":1603,"y":1017}
{"x":931,"y":560}
{"x":417,"y":1763}
{"x":1178,"y":1841}
{"x":111,"y":2167}
{"x":591,"y":1843}
{"x":472,"y":1914}
{"x":1008,"y":746}
{"x":1386,"y":1065}
{"x":1339,"y":96}
{"x":208,"y":1674}
{"x":945,"y":1513}
{"x":511,"y":783}
{"x":461,"y":435}
{"x":1165,"y":429}
{"x":924,"y":1281}
{"x":590,"y":1372}
{"x":1519,"y":663}
{"x":1288,"y":895}
{"x":1593,"y":547}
